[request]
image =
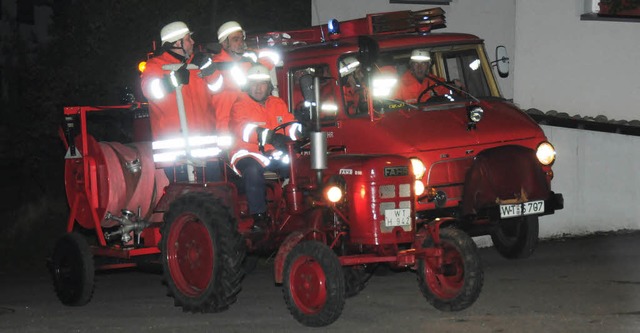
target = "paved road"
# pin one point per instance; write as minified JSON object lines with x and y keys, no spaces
{"x":578,"y":285}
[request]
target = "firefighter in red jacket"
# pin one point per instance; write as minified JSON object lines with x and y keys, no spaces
{"x":159,"y":87}
{"x":416,"y":80}
{"x":253,"y":116}
{"x":234,"y":60}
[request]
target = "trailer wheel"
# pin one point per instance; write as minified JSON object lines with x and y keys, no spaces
{"x":202,"y":254}
{"x":313,"y":286}
{"x":73,"y":270}
{"x":455,"y":284}
{"x":516,"y":239}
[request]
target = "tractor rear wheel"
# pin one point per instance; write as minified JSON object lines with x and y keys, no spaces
{"x":516,"y":239}
{"x":313,"y":286}
{"x":202,"y":253}
{"x":455,"y":283}
{"x":73,"y":270}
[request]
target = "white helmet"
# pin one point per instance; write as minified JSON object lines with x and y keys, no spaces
{"x":173,"y":32}
{"x":258,"y":73}
{"x":348,"y":65}
{"x":420,"y":55}
{"x":227,"y":29}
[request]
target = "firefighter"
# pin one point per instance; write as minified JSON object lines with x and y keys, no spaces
{"x":159,"y":87}
{"x":233,"y":61}
{"x":352,"y":80}
{"x":416,"y":80}
{"x":253,"y":116}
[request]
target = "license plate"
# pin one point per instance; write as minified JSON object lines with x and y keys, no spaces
{"x":527,"y":208}
{"x":397,"y":217}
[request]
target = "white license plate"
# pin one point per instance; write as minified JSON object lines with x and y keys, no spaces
{"x":527,"y":208}
{"x":397,"y":217}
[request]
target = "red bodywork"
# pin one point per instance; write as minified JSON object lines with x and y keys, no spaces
{"x":440,"y":135}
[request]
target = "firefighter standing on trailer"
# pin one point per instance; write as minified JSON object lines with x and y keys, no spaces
{"x":159,"y":87}
{"x":252,"y":117}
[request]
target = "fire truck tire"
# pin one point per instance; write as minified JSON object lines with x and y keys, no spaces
{"x":73,"y":270}
{"x":313,"y":286}
{"x":517,"y":240}
{"x":456,"y":284}
{"x":355,"y":279}
{"x":202,"y":253}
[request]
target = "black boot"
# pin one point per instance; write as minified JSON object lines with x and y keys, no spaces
{"x":260,"y":223}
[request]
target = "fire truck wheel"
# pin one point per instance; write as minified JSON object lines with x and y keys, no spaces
{"x":313,"y":286}
{"x":517,"y":239}
{"x":202,"y":253}
{"x":355,"y":279}
{"x":456,"y":282}
{"x":73,"y":270}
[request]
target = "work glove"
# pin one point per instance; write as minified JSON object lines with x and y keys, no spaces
{"x":204,"y":62}
{"x":279,"y":141}
{"x":179,"y":76}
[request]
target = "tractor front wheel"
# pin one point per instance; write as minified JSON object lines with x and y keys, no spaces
{"x":202,"y":253}
{"x":454,"y":282}
{"x":73,"y":270}
{"x":313,"y":286}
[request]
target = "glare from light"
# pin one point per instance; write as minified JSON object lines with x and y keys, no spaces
{"x":474,"y":65}
{"x":383,"y":86}
{"x":333,"y":194}
{"x":418,"y":168}
{"x":419,"y":187}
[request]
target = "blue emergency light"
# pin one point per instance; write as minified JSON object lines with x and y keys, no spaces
{"x":333,"y":26}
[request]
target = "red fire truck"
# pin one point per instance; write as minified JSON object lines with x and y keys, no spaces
{"x":484,"y":161}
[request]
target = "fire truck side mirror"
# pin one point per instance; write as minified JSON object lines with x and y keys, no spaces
{"x":368,"y":51}
{"x":502,"y":61}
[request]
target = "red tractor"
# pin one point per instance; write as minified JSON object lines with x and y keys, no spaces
{"x":334,"y":216}
{"x":483,"y":162}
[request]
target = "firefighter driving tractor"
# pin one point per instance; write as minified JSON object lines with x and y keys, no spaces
{"x":334,"y":214}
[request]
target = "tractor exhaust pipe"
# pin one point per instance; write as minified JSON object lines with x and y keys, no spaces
{"x":318,"y":138}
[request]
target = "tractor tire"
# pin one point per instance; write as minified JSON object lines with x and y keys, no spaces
{"x":202,"y":254}
{"x":456,"y":284}
{"x":73,"y":270}
{"x":313,"y":286}
{"x":516,"y":239}
{"x":355,"y":279}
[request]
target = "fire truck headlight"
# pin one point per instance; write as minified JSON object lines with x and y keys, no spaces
{"x":383,"y":86}
{"x":419,"y":187}
{"x":475,"y":114}
{"x":418,"y":168}
{"x":545,"y":153}
{"x":333,"y":193}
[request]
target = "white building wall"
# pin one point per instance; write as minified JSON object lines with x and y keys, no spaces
{"x":579,"y":67}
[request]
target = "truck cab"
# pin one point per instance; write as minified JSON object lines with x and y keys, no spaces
{"x":481,"y":159}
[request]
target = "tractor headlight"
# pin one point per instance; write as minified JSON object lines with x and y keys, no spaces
{"x":333,"y":193}
{"x":545,"y":153}
{"x":418,"y":168}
